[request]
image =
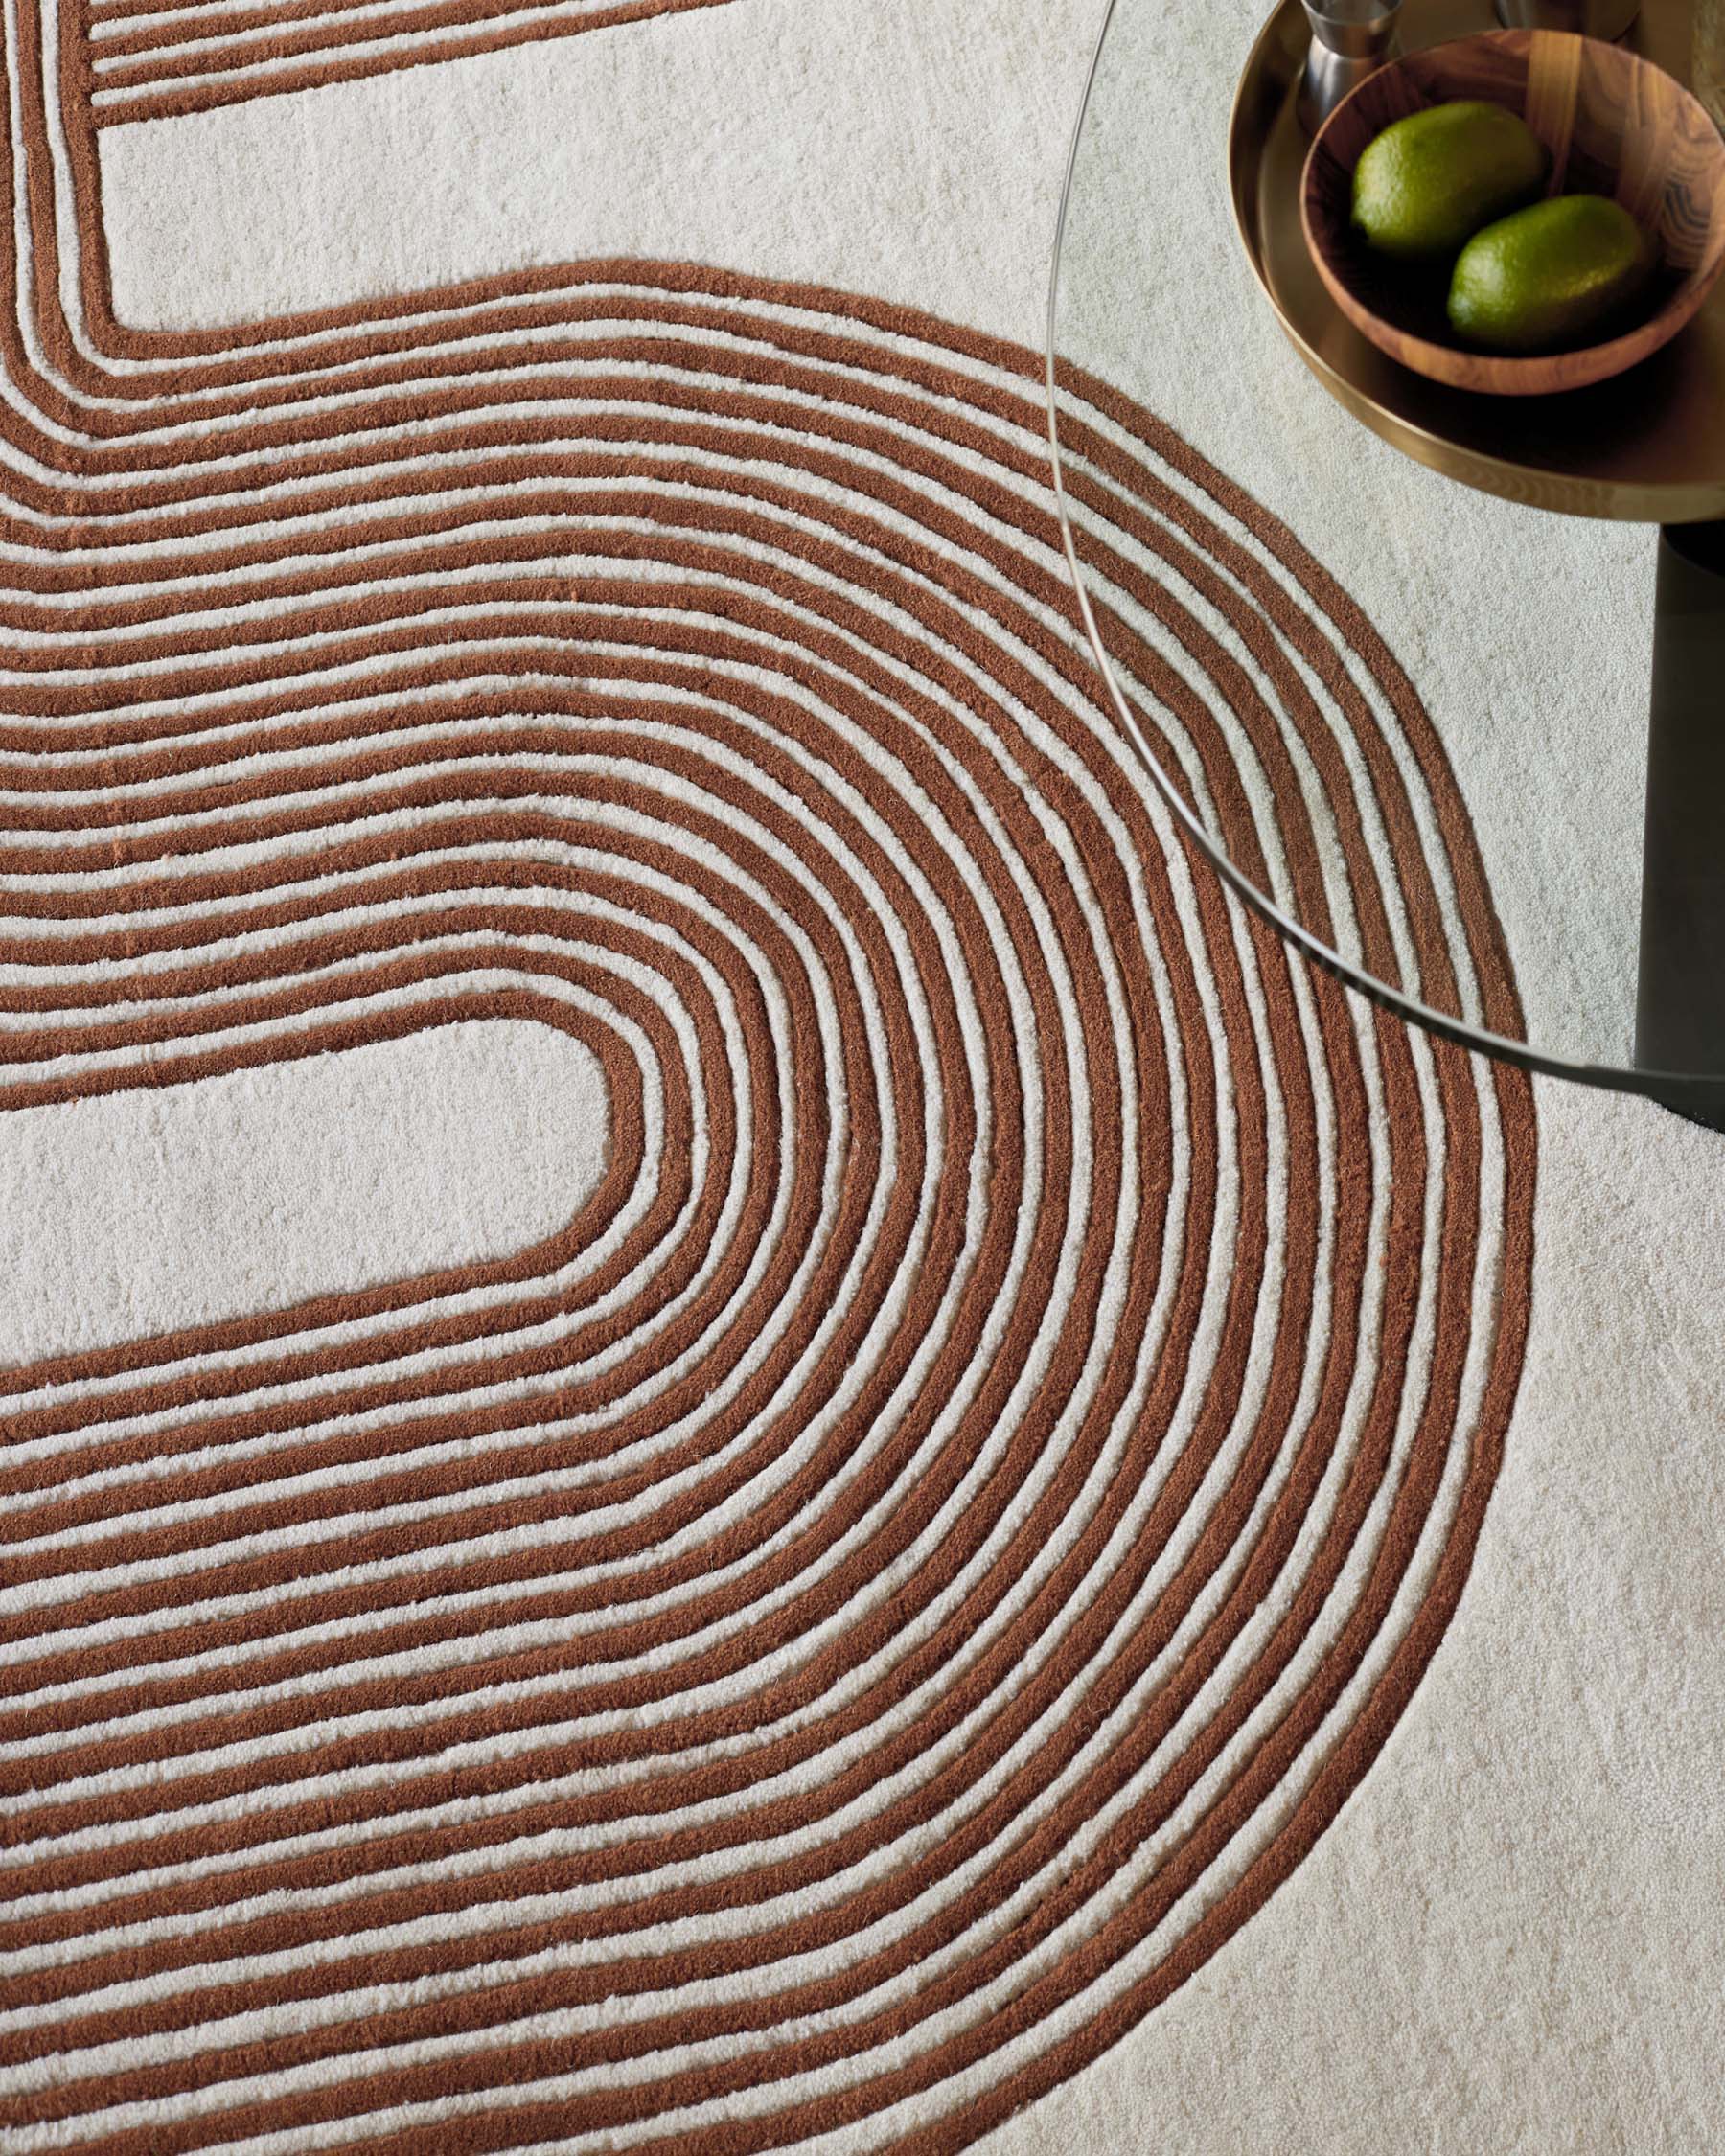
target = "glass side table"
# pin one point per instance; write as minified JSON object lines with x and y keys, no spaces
{"x":1505,"y":645}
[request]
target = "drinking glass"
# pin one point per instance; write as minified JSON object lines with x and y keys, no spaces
{"x":1350,"y":38}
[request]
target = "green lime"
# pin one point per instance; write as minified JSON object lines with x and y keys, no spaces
{"x":1425,"y":185}
{"x":1549,"y":276}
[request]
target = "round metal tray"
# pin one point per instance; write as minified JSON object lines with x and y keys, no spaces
{"x":1648,"y":445}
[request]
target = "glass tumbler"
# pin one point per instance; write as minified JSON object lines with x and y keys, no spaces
{"x":1350,"y":40}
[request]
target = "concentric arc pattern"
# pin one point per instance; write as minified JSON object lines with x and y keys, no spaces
{"x":820,"y":1645}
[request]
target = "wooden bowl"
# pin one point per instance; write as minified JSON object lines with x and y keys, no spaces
{"x":1614,"y":123}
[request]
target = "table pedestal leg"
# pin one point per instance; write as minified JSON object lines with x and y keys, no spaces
{"x":1680,"y":1001}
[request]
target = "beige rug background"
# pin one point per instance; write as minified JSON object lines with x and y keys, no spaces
{"x":1509,"y":1940}
{"x":1503,"y":1944}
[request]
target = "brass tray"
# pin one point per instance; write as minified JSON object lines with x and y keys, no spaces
{"x":1648,"y":445}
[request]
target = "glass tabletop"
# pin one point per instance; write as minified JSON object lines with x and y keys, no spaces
{"x":1386,"y":646}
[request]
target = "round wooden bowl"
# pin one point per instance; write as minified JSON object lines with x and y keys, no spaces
{"x":1615,"y":125}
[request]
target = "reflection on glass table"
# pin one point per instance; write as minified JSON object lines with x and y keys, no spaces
{"x":1393,"y":651}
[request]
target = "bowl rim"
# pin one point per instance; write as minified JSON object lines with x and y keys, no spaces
{"x":1460,"y":367}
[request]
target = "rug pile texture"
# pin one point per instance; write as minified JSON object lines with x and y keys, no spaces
{"x":728,"y":1424}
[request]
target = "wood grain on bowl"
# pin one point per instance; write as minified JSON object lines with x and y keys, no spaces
{"x":1615,"y":125}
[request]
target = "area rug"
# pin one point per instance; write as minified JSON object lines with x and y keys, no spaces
{"x":728,"y":1421}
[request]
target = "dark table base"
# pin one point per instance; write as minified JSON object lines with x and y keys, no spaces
{"x":1680,"y":999}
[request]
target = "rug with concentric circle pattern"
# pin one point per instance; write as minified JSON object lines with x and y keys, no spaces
{"x":814,"y":1632}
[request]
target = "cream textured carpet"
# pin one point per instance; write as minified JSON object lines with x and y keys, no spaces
{"x":728,"y":1424}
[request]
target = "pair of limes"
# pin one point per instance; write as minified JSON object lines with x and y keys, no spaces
{"x":1460,"y":181}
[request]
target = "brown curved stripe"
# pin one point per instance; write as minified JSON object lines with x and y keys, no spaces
{"x":182,"y":838}
{"x":335,"y":52}
{"x":317,"y":25}
{"x":717,"y":833}
{"x":646,"y":1534}
{"x":820,"y":1713}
